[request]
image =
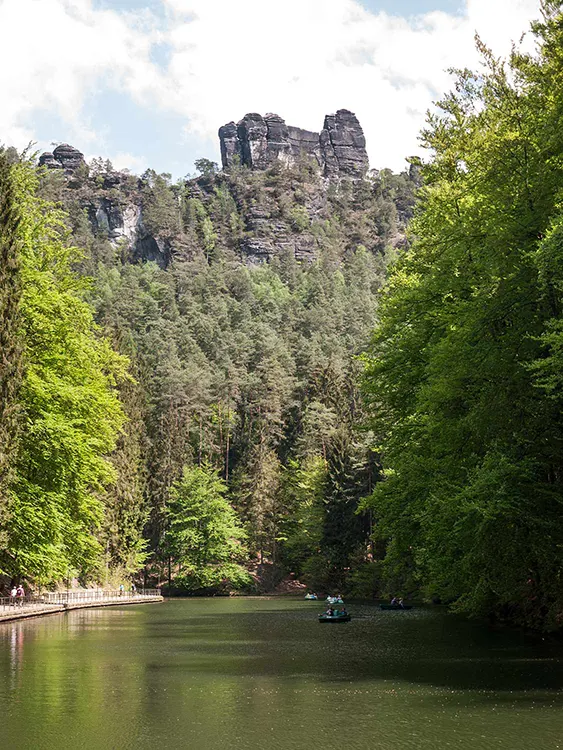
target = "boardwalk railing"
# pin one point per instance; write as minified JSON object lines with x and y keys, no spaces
{"x":12,"y":605}
{"x":55,"y":599}
{"x":90,"y":596}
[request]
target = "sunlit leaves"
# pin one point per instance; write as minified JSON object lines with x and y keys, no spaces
{"x":464,"y":372}
{"x":71,"y":414}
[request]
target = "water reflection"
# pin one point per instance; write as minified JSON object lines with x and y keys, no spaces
{"x":248,"y":673}
{"x":16,"y":635}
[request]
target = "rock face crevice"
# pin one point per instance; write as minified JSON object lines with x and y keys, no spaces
{"x":115,"y":221}
{"x":259,"y":141}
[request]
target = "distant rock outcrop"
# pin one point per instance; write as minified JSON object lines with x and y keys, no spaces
{"x":48,"y":160}
{"x":112,"y":204}
{"x":63,"y":157}
{"x":250,"y":214}
{"x":114,"y":221}
{"x":258,"y":142}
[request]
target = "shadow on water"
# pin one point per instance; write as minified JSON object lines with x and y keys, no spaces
{"x":423,"y":646}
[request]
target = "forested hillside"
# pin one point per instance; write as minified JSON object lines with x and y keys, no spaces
{"x":241,"y":307}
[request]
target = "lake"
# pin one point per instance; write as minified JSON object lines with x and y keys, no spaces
{"x":245,"y":673}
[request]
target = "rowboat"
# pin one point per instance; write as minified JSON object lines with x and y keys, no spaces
{"x":396,"y":606}
{"x":311,"y":597}
{"x":334,"y":618}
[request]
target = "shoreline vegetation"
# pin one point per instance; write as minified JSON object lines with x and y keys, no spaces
{"x":373,"y":405}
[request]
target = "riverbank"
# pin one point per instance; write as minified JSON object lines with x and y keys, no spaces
{"x":57,"y":603}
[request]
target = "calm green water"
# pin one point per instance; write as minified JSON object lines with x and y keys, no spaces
{"x":236,"y":674}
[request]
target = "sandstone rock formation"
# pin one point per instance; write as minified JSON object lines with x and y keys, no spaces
{"x":63,"y":157}
{"x":343,"y":145}
{"x":230,"y":144}
{"x":113,"y":207}
{"x":48,"y":160}
{"x":252,"y":215}
{"x":258,"y":142}
{"x":123,"y":222}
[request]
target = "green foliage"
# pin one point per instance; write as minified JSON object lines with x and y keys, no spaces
{"x":204,"y":226}
{"x":464,"y":371}
{"x":206,"y":167}
{"x":71,"y":412}
{"x":300,"y":218}
{"x":204,"y":537}
{"x":258,"y":499}
{"x":125,"y":506}
{"x":161,"y":210}
{"x":244,"y":367}
{"x":11,"y":344}
{"x":365,"y":581}
{"x":301,"y":529}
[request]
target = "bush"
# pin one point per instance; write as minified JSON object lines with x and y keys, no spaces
{"x":300,"y":220}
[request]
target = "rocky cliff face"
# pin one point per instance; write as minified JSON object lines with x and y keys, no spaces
{"x":122,"y":222}
{"x":112,"y":202}
{"x":284,"y":205}
{"x":258,"y":142}
{"x":343,"y":145}
{"x":114,"y":221}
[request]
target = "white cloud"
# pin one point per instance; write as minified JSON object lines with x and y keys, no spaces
{"x":305,"y":58}
{"x":300,"y":58}
{"x":55,"y":53}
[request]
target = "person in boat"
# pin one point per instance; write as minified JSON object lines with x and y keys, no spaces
{"x":394,"y":600}
{"x":400,"y":603}
{"x":330,"y":611}
{"x":343,"y":612}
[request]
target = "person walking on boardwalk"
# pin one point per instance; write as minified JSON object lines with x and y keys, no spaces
{"x":121,"y":589}
{"x":20,"y":595}
{"x":13,"y":594}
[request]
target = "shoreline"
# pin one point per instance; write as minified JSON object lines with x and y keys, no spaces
{"x":56,"y":609}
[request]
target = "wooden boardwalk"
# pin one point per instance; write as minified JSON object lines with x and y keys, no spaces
{"x":52,"y":603}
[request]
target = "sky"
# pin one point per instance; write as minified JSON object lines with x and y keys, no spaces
{"x":147,"y":83}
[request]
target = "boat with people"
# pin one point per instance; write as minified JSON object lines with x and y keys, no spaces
{"x":336,"y":616}
{"x":311,"y":597}
{"x":333,"y":614}
{"x":335,"y":600}
{"x":396,"y":606}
